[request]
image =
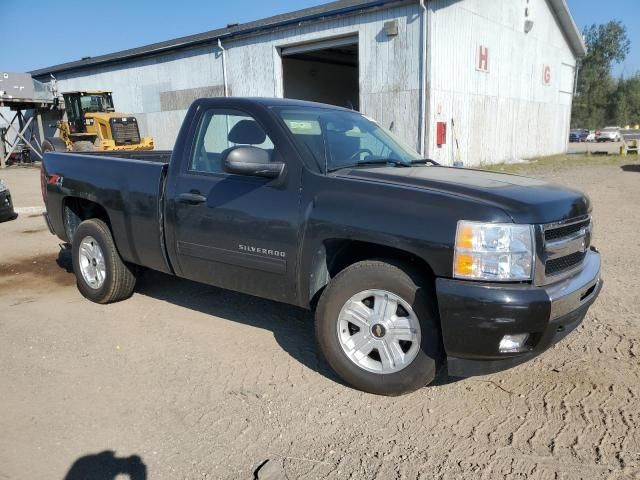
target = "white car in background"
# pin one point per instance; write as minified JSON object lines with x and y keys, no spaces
{"x":608,"y":134}
{"x":591,"y":137}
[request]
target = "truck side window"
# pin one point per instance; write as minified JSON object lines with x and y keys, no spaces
{"x":221,"y":130}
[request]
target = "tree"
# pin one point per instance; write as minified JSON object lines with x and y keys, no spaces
{"x":624,"y":106}
{"x":607,"y":44}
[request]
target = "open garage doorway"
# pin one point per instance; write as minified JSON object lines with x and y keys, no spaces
{"x":326,"y":72}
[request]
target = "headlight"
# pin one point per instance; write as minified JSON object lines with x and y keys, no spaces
{"x":493,"y":251}
{"x":3,"y":187}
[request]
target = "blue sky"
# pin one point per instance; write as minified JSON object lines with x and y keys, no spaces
{"x":587,"y":12}
{"x":139,"y":22}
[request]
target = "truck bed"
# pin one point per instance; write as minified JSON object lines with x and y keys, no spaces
{"x":127,"y":185}
{"x":158,"y":156}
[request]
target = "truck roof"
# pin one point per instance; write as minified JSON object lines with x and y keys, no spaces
{"x":88,"y":92}
{"x":280,"y":102}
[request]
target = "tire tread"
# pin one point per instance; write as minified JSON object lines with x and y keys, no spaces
{"x":398,"y":271}
{"x":123,"y":279}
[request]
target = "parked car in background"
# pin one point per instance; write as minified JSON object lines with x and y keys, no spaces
{"x":578,"y":135}
{"x":6,"y":205}
{"x":608,"y":134}
{"x":591,"y":137}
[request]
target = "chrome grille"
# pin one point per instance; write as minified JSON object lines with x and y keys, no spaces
{"x":563,"y":263}
{"x":566,"y":230}
{"x":562,"y":249}
{"x":125,"y":133}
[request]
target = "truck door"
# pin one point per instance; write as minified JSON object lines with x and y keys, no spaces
{"x":233,"y":231}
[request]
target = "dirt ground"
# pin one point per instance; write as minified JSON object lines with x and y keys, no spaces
{"x":186,"y":381}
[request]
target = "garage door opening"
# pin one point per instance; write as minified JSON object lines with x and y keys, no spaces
{"x":326,"y":72}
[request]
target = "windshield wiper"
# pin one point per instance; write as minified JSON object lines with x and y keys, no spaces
{"x":377,"y":161}
{"x":424,"y":161}
{"x":387,"y":161}
{"x":384,"y":161}
{"x":400,"y":163}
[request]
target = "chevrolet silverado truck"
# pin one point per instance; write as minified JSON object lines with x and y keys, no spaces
{"x":409,"y":266}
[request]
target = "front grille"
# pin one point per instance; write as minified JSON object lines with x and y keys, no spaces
{"x":125,"y":133}
{"x":565,"y":231}
{"x":561,"y":264}
{"x":563,"y":250}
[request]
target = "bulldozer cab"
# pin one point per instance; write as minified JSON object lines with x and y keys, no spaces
{"x":78,"y":104}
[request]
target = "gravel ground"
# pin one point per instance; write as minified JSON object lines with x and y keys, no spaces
{"x":186,"y":381}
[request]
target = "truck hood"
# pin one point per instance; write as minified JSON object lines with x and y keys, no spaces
{"x":524,"y":199}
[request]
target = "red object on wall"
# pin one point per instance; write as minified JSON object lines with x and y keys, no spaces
{"x":546,"y":75}
{"x":441,"y":133}
{"x":483,"y":59}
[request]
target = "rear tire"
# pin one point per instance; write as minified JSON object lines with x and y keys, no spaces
{"x":84,"y":146}
{"x":101,"y":275}
{"x":47,"y":146}
{"x":407,"y":310}
{"x":54,"y":144}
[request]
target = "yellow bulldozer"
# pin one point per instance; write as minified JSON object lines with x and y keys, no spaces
{"x":90,"y":123}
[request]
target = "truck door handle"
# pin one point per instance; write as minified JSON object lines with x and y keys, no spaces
{"x":192,"y":198}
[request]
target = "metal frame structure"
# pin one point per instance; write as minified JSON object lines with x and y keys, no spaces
{"x":23,"y":126}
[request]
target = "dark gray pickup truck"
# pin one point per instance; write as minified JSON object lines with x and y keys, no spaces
{"x":409,"y":266}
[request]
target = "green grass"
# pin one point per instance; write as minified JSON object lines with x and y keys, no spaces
{"x":561,"y":161}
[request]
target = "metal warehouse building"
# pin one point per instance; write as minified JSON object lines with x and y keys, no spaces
{"x":476,"y":80}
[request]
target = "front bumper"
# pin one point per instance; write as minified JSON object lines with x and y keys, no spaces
{"x":6,"y":206}
{"x":476,"y":316}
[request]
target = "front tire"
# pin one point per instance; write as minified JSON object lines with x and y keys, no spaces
{"x":101,"y":275}
{"x":377,"y":326}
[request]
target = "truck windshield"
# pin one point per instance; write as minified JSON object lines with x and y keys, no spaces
{"x":340,"y":139}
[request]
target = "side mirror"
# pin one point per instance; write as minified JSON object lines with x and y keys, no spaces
{"x":251,"y":161}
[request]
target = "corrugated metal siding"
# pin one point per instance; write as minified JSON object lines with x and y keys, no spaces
{"x":508,"y":113}
{"x":389,"y":72}
{"x":138,"y":87}
{"x":389,"y":67}
{"x":505,"y":114}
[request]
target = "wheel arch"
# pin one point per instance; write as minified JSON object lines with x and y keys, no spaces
{"x":335,"y":254}
{"x":76,"y":210}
